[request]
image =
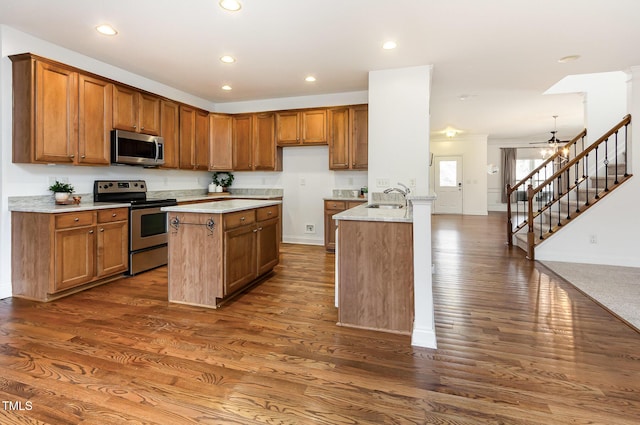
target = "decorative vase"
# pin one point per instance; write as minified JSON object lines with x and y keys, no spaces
{"x":218,"y":188}
{"x":212,"y":188}
{"x":62,"y":196}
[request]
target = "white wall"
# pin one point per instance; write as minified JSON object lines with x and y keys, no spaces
{"x":613,"y":221}
{"x":399,"y":128}
{"x":473,"y":150}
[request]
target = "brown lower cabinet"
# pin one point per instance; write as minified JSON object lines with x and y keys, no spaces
{"x":331,"y":208}
{"x":214,"y":256}
{"x":58,"y":254}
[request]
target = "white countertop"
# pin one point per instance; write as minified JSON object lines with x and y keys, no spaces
{"x":222,"y":207}
{"x":217,"y":197}
{"x":362,"y":213}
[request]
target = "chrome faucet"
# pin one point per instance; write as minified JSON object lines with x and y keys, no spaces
{"x":404,"y":192}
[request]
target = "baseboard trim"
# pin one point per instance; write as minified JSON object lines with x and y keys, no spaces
{"x":424,"y":338}
{"x":302,"y":240}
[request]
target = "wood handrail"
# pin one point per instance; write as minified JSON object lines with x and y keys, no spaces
{"x":573,"y":141}
{"x":626,"y":120}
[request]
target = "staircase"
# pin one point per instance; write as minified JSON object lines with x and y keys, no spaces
{"x":568,"y":183}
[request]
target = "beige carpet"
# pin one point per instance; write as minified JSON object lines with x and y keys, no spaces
{"x":616,"y":288}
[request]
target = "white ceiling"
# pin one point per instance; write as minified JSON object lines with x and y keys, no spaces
{"x":501,"y":52}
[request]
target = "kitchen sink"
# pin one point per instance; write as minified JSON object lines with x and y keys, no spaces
{"x":386,"y":206}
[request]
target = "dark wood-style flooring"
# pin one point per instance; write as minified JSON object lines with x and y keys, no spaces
{"x":516,"y":345}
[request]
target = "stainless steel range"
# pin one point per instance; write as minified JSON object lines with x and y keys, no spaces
{"x":148,"y":226}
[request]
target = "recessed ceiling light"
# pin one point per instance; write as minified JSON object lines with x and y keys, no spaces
{"x":106,"y":29}
{"x":226,"y":87}
{"x":388,"y":45}
{"x":570,"y":58}
{"x":227,"y":59}
{"x":230,"y":5}
{"x":310,"y":79}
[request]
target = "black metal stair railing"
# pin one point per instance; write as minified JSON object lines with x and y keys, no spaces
{"x":577,"y":182}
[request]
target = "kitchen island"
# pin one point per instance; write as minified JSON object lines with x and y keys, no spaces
{"x":374,"y":276}
{"x":216,"y":249}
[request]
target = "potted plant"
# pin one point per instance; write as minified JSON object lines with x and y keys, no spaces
{"x":222,"y":180}
{"x":61,"y":191}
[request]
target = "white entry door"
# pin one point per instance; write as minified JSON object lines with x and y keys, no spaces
{"x":448,"y":184}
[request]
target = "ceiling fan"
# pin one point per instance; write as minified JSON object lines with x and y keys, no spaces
{"x":553,"y":141}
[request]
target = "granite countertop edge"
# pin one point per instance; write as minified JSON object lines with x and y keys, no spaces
{"x":362,"y":213}
{"x":222,"y":207}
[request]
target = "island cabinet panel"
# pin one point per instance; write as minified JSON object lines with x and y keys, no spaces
{"x":54,"y":255}
{"x":239,"y":258}
{"x":376,"y":275}
{"x":195,"y":259}
{"x":208,"y":265}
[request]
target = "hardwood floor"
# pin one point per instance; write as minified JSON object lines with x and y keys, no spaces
{"x":516,"y":345}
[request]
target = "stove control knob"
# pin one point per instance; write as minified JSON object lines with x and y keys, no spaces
{"x":110,"y":184}
{"x":141,"y":186}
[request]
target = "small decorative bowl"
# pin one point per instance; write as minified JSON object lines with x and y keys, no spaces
{"x":76,"y":199}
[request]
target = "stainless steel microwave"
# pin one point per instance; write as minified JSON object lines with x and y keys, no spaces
{"x":136,"y":149}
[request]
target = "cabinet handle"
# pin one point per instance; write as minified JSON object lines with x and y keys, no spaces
{"x":255,"y":230}
{"x":71,"y":156}
{"x":102,"y":229}
{"x":135,"y":126}
{"x":91,"y":232}
{"x":113,"y":215}
{"x":76,"y":219}
{"x":83,"y":156}
{"x":141,"y":128}
{"x":270,"y":212}
{"x":241,"y":218}
{"x":260,"y":228}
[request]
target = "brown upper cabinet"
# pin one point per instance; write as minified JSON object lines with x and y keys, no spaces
{"x":220,"y":142}
{"x":306,"y":127}
{"x":194,"y":138}
{"x":170,"y":132}
{"x":59,"y":115}
{"x":254,"y":147}
{"x":136,"y":111}
{"x":348,"y":138}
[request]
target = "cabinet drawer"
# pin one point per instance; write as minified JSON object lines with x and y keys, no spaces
{"x":83,"y":218}
{"x":266,"y":213}
{"x":118,"y":214}
{"x":353,"y":204}
{"x":240,"y":218}
{"x":335,"y":205}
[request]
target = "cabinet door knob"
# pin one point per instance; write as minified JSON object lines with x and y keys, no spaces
{"x":141,"y":128}
{"x":241,"y":218}
{"x":113,"y":215}
{"x":71,"y":156}
{"x":255,"y":230}
{"x":259,"y":228}
{"x":270,"y":212}
{"x":83,"y":156}
{"x":91,"y":232}
{"x":76,"y":219}
{"x":135,"y":126}
{"x":102,"y":229}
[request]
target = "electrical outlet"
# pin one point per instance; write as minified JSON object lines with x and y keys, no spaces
{"x":593,"y":239}
{"x":412,"y":182}
{"x":303,"y":181}
{"x":309,"y":228}
{"x":382,"y":182}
